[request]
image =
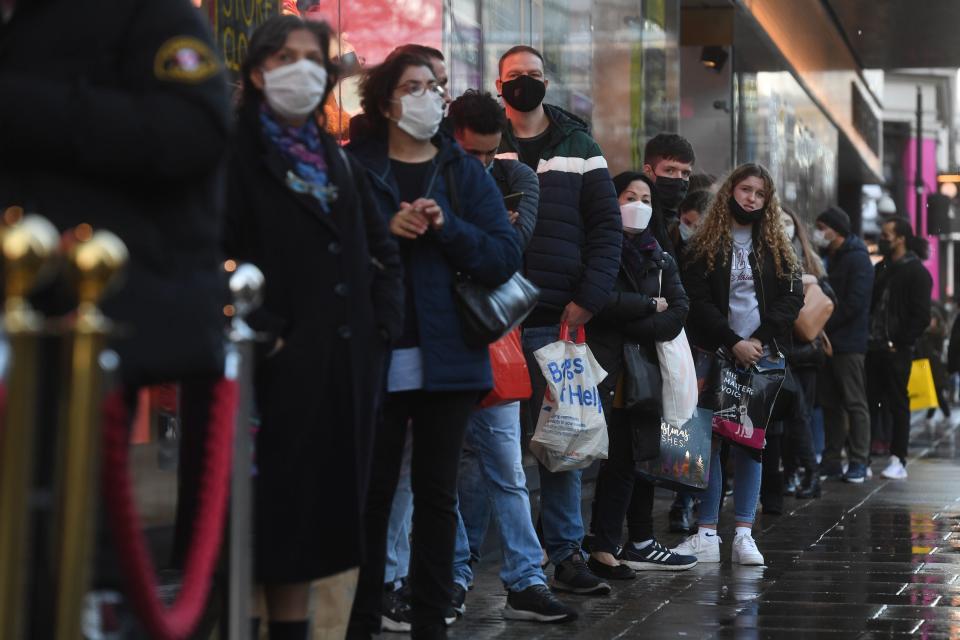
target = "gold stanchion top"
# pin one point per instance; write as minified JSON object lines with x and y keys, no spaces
{"x":27,"y":248}
{"x":96,"y":259}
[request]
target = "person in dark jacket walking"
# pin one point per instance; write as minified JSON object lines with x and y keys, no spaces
{"x":573,"y":257}
{"x":302,"y":211}
{"x":743,"y":280}
{"x":899,"y":314}
{"x":647,"y":305}
{"x":450,"y":218}
{"x":843,"y":388}
{"x":491,"y":465}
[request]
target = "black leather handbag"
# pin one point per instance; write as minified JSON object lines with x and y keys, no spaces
{"x":489,"y":313}
{"x":642,"y":383}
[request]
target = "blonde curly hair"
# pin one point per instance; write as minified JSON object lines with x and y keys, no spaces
{"x":714,"y":236}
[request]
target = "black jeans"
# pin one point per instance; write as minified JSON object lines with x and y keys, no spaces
{"x":797,"y":448}
{"x":888,"y":373}
{"x":439,"y":421}
{"x":620,"y":492}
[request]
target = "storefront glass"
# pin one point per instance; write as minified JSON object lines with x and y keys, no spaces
{"x":780,"y":127}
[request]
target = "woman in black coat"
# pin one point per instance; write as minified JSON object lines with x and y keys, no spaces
{"x":743,"y":279}
{"x":300,"y":209}
{"x":648,"y":305}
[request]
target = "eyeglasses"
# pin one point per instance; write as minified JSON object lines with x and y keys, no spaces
{"x":417,"y":89}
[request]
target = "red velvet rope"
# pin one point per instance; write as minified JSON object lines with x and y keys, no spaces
{"x":179,"y":621}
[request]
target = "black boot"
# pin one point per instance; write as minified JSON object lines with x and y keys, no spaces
{"x":810,"y":485}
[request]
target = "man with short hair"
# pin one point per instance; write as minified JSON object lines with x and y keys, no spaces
{"x":668,"y":160}
{"x":491,"y":464}
{"x":900,"y":313}
{"x":574,"y":257}
{"x":843,"y":391}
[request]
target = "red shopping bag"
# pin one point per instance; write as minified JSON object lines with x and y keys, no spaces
{"x":511,"y":379}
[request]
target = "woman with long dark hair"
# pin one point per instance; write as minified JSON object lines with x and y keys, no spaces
{"x":648,"y":304}
{"x":301,"y":210}
{"x":449,"y":218}
{"x":743,"y":280}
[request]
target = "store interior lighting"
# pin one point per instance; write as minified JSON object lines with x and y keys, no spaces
{"x":714,"y":57}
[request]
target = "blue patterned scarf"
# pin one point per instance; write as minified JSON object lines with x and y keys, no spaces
{"x":302,"y":150}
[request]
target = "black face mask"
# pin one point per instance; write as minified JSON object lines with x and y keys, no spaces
{"x":524,"y":93}
{"x":884,"y":247}
{"x":742,"y":216}
{"x":671,"y":191}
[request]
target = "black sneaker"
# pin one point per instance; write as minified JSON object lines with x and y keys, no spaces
{"x":396,"y":615}
{"x":607,"y":572}
{"x":459,"y":602}
{"x":655,"y":557}
{"x":536,"y":603}
{"x":572,"y":575}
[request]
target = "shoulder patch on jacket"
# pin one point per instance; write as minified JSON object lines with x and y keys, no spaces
{"x":185,"y":59}
{"x":572,"y":165}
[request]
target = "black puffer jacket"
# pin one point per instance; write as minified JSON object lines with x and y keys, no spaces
{"x":780,"y":300}
{"x":627,"y":317}
{"x":574,"y":254}
{"x":851,"y":276}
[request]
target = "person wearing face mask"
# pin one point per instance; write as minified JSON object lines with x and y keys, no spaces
{"x":449,"y":217}
{"x":489,"y":481}
{"x":301,"y":210}
{"x":743,"y":280}
{"x":692,"y":209}
{"x":648,"y":304}
{"x":668,"y":160}
{"x":842,"y":391}
{"x":573,"y":257}
{"x":899,"y":315}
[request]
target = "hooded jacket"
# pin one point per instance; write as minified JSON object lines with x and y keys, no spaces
{"x":850,"y":274}
{"x":477,"y":240}
{"x":574,"y":254}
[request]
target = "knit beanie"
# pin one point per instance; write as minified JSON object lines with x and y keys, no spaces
{"x":837,"y":219}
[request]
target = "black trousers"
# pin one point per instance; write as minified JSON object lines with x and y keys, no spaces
{"x":888,"y":373}
{"x":621,"y":493}
{"x":798,"y":435}
{"x":439,"y":421}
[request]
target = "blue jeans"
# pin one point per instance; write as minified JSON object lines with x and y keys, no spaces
{"x":492,"y":477}
{"x":746,"y":487}
{"x":401,"y":522}
{"x":560,"y":512}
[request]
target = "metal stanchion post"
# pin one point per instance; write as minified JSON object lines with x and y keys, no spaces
{"x":246,"y":287}
{"x":27,"y":249}
{"x":95,"y":259}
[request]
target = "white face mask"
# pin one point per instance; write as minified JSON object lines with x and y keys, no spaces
{"x":421,"y":115}
{"x":820,"y":239}
{"x":636,"y":216}
{"x":686,"y":232}
{"x":788,"y":227}
{"x":295,"y":90}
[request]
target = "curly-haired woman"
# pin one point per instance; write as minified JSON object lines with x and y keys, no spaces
{"x":743,"y":280}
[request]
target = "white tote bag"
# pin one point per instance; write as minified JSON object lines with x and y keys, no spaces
{"x":571,"y":430}
{"x":679,"y":377}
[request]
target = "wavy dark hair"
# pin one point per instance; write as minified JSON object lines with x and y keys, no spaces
{"x":270,"y":37}
{"x":379,"y":83}
{"x":903,"y":228}
{"x":657,"y":226}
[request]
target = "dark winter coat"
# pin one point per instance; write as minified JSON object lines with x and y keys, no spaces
{"x":334,"y":293}
{"x":627,"y":317}
{"x":953,"y":354}
{"x":117,"y":115}
{"x":901,"y":302}
{"x":512,"y":176}
{"x":575,"y":251}
{"x":850,"y":274}
{"x":477,"y":240}
{"x":779,"y":298}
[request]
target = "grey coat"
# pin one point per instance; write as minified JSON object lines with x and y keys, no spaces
{"x":512,"y":176}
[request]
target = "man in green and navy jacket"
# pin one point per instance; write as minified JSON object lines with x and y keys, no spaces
{"x":574,"y":257}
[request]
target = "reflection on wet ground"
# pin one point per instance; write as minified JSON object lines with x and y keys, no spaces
{"x":878,"y":560}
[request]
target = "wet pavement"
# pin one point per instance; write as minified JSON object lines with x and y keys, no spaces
{"x":877,"y":560}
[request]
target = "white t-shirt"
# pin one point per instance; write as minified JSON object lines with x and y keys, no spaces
{"x":744,"y":314}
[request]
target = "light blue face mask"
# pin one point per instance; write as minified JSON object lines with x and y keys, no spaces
{"x":489,"y":167}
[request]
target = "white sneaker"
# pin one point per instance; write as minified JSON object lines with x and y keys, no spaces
{"x":745,"y":551}
{"x":705,"y":548}
{"x":895,"y":470}
{"x":869,"y":473}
